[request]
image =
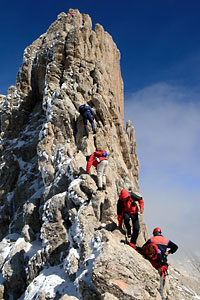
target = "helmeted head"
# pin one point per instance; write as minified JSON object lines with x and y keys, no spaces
{"x":104,"y":154}
{"x":157,"y":230}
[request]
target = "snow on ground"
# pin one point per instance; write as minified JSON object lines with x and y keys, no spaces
{"x":55,"y":280}
{"x":52,"y":281}
{"x":12,"y":241}
{"x":48,"y":215}
{"x":77,"y":200}
{"x":7,"y":245}
{"x":85,"y":272}
{"x":35,"y":246}
{"x":76,"y":235}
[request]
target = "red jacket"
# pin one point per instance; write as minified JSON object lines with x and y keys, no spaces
{"x":155,"y":259}
{"x":95,"y":158}
{"x":128,"y":207}
{"x":158,"y":261}
{"x":161,"y":241}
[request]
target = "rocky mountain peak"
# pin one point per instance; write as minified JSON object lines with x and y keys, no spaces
{"x":59,"y":236}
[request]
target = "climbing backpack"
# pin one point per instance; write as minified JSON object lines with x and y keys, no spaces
{"x":134,"y":198}
{"x":150,"y":251}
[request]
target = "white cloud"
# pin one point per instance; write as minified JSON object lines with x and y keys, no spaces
{"x":167,"y":124}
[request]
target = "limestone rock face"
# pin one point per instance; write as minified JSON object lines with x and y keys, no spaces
{"x":123,"y":272}
{"x":58,"y":236}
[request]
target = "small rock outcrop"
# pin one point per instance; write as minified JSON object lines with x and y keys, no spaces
{"x":59,"y":236}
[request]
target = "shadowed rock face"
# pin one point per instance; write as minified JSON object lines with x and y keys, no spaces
{"x":53,"y":243}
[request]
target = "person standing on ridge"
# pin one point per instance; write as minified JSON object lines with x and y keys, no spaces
{"x":87,"y":113}
{"x":99,"y":160}
{"x":127,"y":209}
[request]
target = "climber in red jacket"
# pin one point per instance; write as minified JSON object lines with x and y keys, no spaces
{"x":156,"y":251}
{"x":99,"y":160}
{"x":162,"y":242}
{"x":127,"y":209}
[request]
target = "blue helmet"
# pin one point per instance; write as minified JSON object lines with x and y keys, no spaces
{"x":104,"y":154}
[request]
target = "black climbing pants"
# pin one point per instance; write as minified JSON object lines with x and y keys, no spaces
{"x":136,"y":226}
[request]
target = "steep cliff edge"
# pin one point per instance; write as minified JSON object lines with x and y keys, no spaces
{"x":58,"y":233}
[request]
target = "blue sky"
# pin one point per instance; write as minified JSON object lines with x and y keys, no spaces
{"x":158,"y":40}
{"x":159,"y":43}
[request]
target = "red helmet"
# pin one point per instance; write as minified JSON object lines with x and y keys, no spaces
{"x":157,"y":230}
